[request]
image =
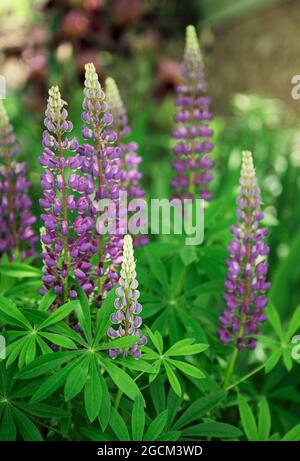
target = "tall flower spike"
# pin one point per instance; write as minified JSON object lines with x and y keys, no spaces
{"x":67,"y":190}
{"x":129,"y":160}
{"x":128,"y":309}
{"x":246,"y":284}
{"x":192,"y":164}
{"x":16,"y":219}
{"x":106,"y":173}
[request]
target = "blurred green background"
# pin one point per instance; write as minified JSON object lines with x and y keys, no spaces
{"x":251,"y":50}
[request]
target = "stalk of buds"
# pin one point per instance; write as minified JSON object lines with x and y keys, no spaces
{"x":246,"y":283}
{"x":127,"y":315}
{"x":129,"y":159}
{"x":16,"y":234}
{"x":67,"y":189}
{"x":103,"y":157}
{"x":192,"y":164}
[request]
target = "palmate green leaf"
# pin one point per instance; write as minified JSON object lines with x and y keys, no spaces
{"x":205,"y":288}
{"x":199,"y":408}
{"x":20,"y":270}
{"x":13,"y":350}
{"x":77,"y":378}
{"x":287,"y":359}
{"x":8,"y":430}
{"x":62,"y":329}
{"x":45,"y":363}
{"x":11,"y":310}
{"x":264,"y":420}
{"x":23,"y":287}
{"x":157,"y":269}
{"x":247,"y":419}
{"x":171,"y":436}
{"x":138,"y":419}
{"x":31,"y":350}
{"x":274,"y":319}
{"x":59,"y":314}
{"x":173,"y":380}
{"x":212,"y":429}
{"x":54,"y":382}
{"x":103,"y":315}
{"x":156,"y":426}
{"x":187,"y":369}
{"x":136,"y":365}
{"x":27,"y":429}
{"x":42,"y":410}
{"x":105,"y":408}
{"x":83,"y":313}
{"x":119,"y":343}
{"x":293,"y":435}
{"x":94,"y":434}
{"x":158,"y":395}
{"x":188,"y":255}
{"x":156,"y":339}
{"x":47,"y":300}
{"x":121,"y":379}
{"x":273,"y":360}
{"x":185,"y":348}
{"x":150,"y":309}
{"x":173,"y":405}
{"x":294,"y":325}
{"x":93,"y":391}
{"x":118,"y":426}
{"x":59,"y":340}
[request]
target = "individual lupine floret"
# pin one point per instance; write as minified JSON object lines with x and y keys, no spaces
{"x":106,"y":172}
{"x":129,"y":160}
{"x":193,"y":163}
{"x":246,"y":283}
{"x":16,"y":234}
{"x":127,"y":315}
{"x":67,"y":190}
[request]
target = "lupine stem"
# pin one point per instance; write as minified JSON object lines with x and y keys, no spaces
{"x":230,"y":367}
{"x":244,"y":378}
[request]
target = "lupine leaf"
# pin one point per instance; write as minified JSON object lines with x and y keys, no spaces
{"x":173,"y":379}
{"x":156,"y":426}
{"x":212,"y":429}
{"x":76,"y":378}
{"x":59,"y":314}
{"x":118,"y":426}
{"x":47,"y":300}
{"x":121,"y":379}
{"x":293,"y":435}
{"x":138,"y":419}
{"x":264,"y":420}
{"x":27,"y":429}
{"x":93,"y":392}
{"x":247,"y":419}
{"x":187,"y":369}
{"x":11,"y":310}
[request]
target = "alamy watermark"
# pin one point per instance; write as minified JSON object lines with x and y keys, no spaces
{"x":158,"y":216}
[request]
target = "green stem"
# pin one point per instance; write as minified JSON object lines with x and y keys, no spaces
{"x":244,"y":378}
{"x":230,"y":368}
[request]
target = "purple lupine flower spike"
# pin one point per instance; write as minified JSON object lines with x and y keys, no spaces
{"x":66,"y":235}
{"x":246,"y":283}
{"x":129,"y":159}
{"x":16,"y":219}
{"x":126,"y":319}
{"x":104,"y":157}
{"x":192,"y":161}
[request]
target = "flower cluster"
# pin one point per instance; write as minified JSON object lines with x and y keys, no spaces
{"x":16,"y":234}
{"x":192,"y":163}
{"x":127,"y":306}
{"x":130,"y":160}
{"x":67,"y":219}
{"x":105,"y":168}
{"x":246,"y":283}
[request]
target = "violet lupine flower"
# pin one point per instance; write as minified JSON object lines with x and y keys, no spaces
{"x":246,"y":283}
{"x":106,"y":173}
{"x":192,"y":135}
{"x":129,"y":160}
{"x":16,"y":220}
{"x":127,"y":315}
{"x":68,"y":225}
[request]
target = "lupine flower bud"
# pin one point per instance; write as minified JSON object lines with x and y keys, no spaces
{"x":129,"y":158}
{"x":126,"y":318}
{"x":246,"y":284}
{"x":68,"y":224}
{"x":192,"y":163}
{"x":16,"y":219}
